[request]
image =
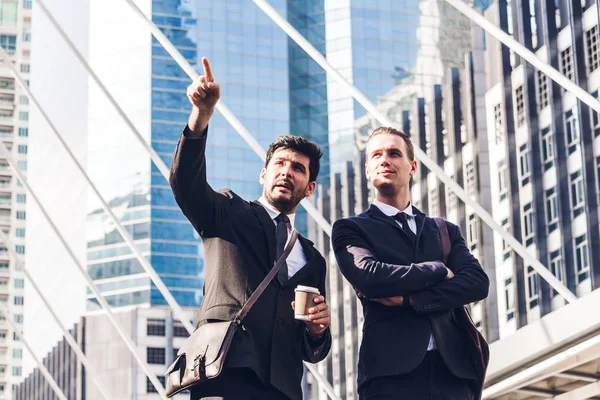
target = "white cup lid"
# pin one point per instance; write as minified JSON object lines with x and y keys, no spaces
{"x":308,"y":289}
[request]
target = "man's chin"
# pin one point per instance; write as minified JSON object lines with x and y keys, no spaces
{"x":387,"y":187}
{"x":282,"y":200}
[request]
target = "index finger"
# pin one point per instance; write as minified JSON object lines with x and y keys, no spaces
{"x":207,"y":70}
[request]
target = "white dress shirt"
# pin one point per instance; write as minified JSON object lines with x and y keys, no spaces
{"x":390,"y":211}
{"x":296,"y":260}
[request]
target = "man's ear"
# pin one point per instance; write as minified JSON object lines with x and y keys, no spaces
{"x":263,"y":173}
{"x":413,"y":167}
{"x":310,"y":189}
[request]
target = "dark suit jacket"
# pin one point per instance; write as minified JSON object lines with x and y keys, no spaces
{"x":239,"y":250}
{"x":379,"y":260}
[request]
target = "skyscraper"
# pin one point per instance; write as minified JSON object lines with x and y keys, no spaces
{"x":15,"y":37}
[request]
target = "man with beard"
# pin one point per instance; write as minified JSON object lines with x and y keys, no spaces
{"x":241,"y":241}
{"x":413,"y":346}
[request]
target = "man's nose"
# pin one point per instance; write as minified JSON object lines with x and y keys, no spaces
{"x":384,"y":160}
{"x":286,"y":170}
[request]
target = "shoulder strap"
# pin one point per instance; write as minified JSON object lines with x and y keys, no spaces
{"x":443,"y":228}
{"x":263,"y":285}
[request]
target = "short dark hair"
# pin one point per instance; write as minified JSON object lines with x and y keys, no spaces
{"x":410,"y":148}
{"x":302,"y":146}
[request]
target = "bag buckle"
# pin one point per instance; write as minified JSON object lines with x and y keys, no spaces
{"x":200,"y":362}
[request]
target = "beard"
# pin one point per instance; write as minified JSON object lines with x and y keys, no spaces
{"x":284,"y":203}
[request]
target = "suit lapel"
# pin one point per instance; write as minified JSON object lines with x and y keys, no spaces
{"x":268,"y":228}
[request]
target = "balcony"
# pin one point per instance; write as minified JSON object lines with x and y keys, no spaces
{"x":7,"y":104}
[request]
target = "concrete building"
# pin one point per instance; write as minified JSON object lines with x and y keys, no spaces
{"x":152,"y":329}
{"x":63,"y":366}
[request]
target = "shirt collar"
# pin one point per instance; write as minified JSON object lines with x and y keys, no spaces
{"x":273,"y":212}
{"x":390,"y":211}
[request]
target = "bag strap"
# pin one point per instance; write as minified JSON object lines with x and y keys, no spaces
{"x":443,"y":228}
{"x":263,"y":285}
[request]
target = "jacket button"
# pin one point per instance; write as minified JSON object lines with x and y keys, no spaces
{"x":281,"y":293}
{"x":278,"y":320}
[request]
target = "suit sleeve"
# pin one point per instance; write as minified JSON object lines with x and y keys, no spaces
{"x":206,"y":209}
{"x":315,"y":350}
{"x":372,"y":277}
{"x":469,"y":284}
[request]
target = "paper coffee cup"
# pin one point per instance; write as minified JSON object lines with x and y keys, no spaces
{"x":305,"y":299}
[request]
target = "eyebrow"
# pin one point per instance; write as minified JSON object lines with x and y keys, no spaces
{"x":387,"y":149}
{"x":295,"y":164}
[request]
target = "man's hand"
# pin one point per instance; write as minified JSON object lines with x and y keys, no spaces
{"x":320,"y":318}
{"x":203,"y":93}
{"x":450,"y":274}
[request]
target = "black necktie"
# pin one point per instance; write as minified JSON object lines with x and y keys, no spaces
{"x":402,"y":218}
{"x":282,"y":236}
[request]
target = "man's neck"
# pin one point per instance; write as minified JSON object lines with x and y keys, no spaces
{"x":399,"y":202}
{"x":267,"y":203}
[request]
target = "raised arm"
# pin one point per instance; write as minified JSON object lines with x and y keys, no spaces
{"x":469,"y":284}
{"x":372,"y":277}
{"x":205,"y":208}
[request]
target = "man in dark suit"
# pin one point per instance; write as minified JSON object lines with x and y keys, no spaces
{"x":412,"y":346}
{"x":241,"y":243}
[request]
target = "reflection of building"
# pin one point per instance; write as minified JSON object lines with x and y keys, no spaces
{"x":15,"y":37}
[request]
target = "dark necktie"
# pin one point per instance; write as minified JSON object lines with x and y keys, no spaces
{"x":402,"y":218}
{"x":282,"y":236}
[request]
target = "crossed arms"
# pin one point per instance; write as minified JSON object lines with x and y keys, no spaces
{"x":425,"y":282}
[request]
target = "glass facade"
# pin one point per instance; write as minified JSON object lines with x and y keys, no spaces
{"x":274,"y":88}
{"x":249,"y":56}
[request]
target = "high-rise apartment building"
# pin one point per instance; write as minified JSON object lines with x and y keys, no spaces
{"x":15,"y":38}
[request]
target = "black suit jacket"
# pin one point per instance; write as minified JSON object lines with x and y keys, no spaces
{"x":379,"y":260}
{"x":239,"y":250}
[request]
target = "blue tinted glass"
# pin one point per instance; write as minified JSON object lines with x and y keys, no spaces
{"x":183,"y":298}
{"x":182,"y":265}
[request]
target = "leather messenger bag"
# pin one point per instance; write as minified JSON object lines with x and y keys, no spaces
{"x":203,"y":354}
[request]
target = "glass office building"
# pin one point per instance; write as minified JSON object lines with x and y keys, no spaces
{"x":251,"y":59}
